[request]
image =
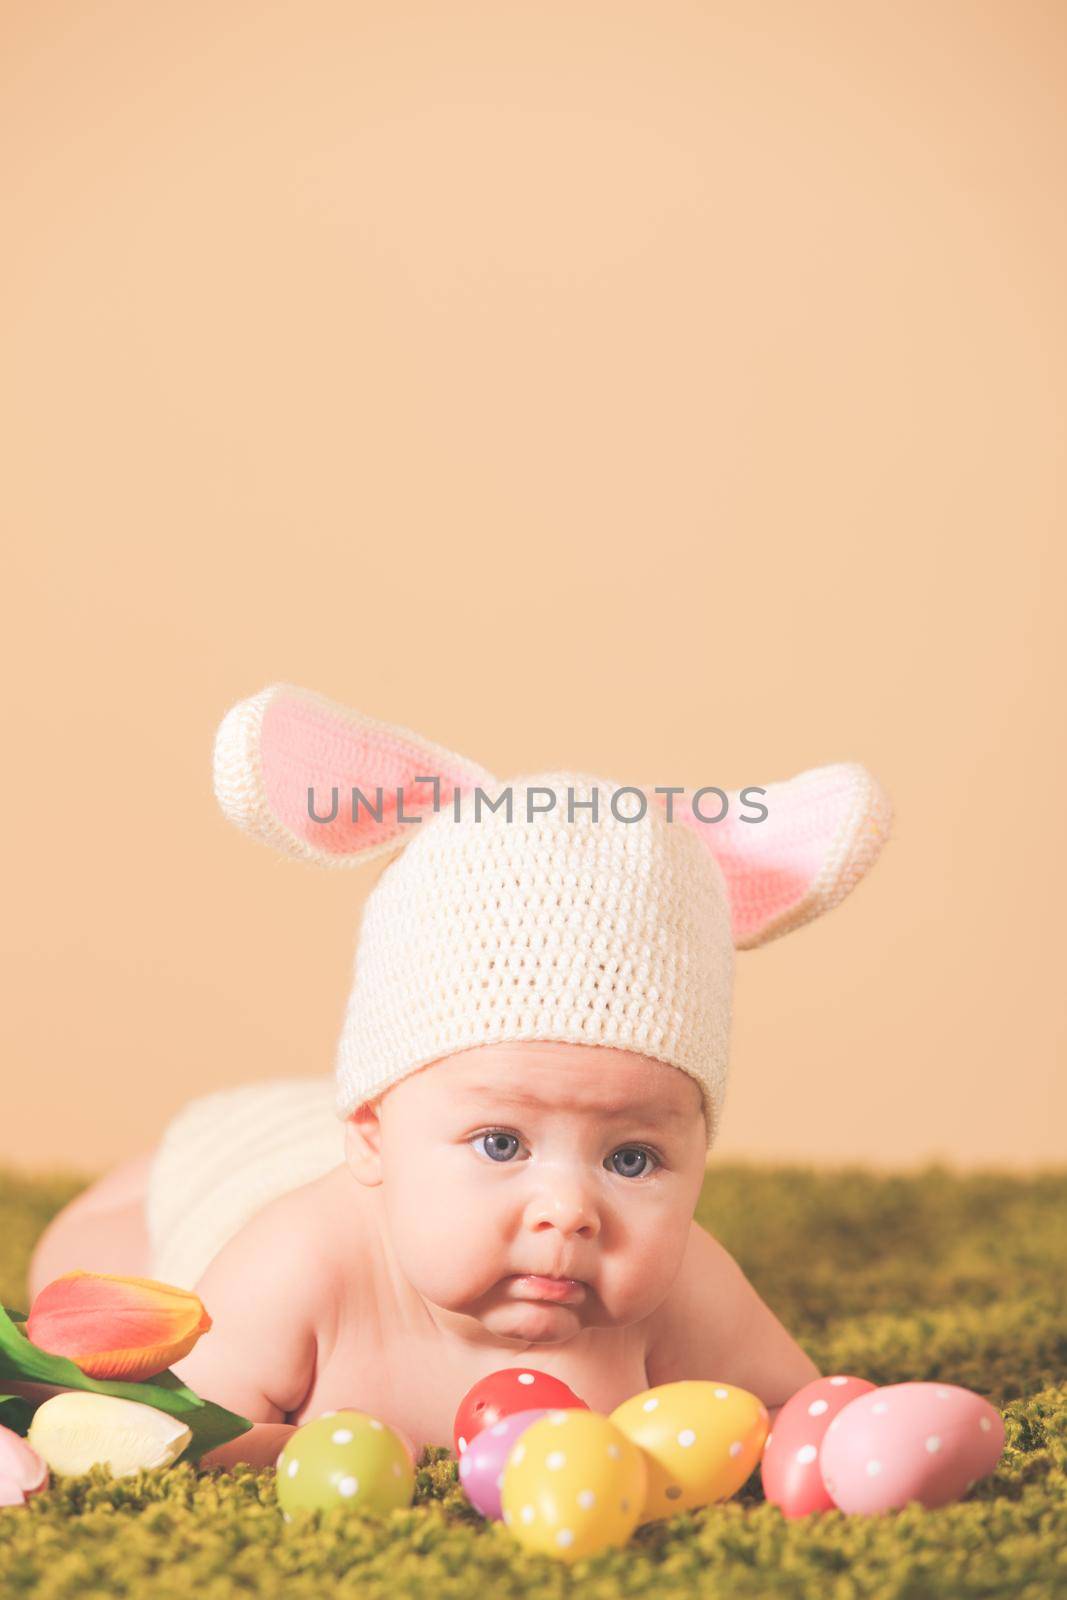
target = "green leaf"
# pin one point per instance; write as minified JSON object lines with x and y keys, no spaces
{"x":16,"y":1413}
{"x":21,"y":1359}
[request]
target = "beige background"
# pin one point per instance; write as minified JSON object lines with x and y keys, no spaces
{"x":670,"y":389}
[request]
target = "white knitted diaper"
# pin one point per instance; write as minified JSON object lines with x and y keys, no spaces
{"x":226,"y":1155}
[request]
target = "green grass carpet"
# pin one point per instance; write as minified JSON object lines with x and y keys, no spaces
{"x":934,"y":1275}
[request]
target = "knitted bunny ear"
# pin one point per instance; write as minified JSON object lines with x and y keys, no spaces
{"x":822,"y":833}
{"x":287,"y":752}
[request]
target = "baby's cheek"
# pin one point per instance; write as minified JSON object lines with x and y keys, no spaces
{"x":663,"y":1260}
{"x":445,"y":1242}
{"x":638,"y":1275}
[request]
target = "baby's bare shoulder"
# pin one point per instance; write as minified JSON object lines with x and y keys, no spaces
{"x":317,"y":1221}
{"x":714,"y":1325}
{"x":272,"y":1293}
{"x":703,"y":1303}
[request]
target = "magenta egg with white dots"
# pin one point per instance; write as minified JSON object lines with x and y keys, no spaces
{"x":481,"y":1466}
{"x":790,"y":1471}
{"x":929,"y":1442}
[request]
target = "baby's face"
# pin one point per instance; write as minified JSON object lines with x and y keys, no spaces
{"x":539,"y":1188}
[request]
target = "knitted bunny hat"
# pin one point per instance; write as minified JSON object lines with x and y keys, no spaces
{"x":578,"y":918}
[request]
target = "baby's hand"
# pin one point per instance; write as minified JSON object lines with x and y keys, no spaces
{"x":259,"y":1446}
{"x":263,"y":1291}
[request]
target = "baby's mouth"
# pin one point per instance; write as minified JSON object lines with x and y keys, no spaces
{"x":534,"y":1286}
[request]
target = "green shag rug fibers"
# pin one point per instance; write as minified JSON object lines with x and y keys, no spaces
{"x":928,"y":1275}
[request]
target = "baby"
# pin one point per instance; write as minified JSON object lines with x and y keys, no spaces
{"x":530,"y":1077}
{"x":512,"y":1203}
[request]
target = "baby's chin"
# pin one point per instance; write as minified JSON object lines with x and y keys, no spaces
{"x":532,"y":1322}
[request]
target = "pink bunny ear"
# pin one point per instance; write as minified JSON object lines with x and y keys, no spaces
{"x":274,"y":748}
{"x":822,"y":833}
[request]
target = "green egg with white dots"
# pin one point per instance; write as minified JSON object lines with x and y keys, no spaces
{"x":345,"y":1458}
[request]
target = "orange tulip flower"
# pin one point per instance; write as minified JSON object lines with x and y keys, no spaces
{"x":114,"y":1327}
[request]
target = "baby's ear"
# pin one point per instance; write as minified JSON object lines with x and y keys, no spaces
{"x":790,"y":851}
{"x":363,"y":1144}
{"x":287,"y":757}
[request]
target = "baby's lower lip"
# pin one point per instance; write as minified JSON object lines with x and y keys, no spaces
{"x":566,"y":1291}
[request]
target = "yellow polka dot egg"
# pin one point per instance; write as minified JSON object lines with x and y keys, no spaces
{"x":345,"y":1458}
{"x":573,"y":1485}
{"x":701,"y":1440}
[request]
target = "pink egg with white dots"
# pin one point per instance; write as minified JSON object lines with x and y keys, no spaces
{"x":481,"y":1466}
{"x":790,"y":1471}
{"x":929,"y":1442}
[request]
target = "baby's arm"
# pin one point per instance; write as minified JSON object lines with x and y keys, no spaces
{"x":713,"y":1325}
{"x":262,"y":1291}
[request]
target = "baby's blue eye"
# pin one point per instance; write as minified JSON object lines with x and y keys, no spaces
{"x":499,"y":1146}
{"x":495,"y":1140}
{"x":629,"y":1170}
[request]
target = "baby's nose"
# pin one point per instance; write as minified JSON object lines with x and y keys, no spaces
{"x":565,"y":1206}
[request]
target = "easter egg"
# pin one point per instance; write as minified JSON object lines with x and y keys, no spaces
{"x":573,"y":1485}
{"x":481,"y":1466}
{"x":791,"y":1473}
{"x":405,"y":1438}
{"x":702,"y":1440}
{"x":344,"y":1459}
{"x":501,"y":1393}
{"x":910,"y":1441}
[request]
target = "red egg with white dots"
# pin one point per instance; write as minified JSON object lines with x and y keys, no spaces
{"x":503,"y":1393}
{"x":790,"y":1471}
{"x":929,"y":1442}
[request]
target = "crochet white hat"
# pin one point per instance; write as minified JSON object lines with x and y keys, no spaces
{"x":555,"y":906}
